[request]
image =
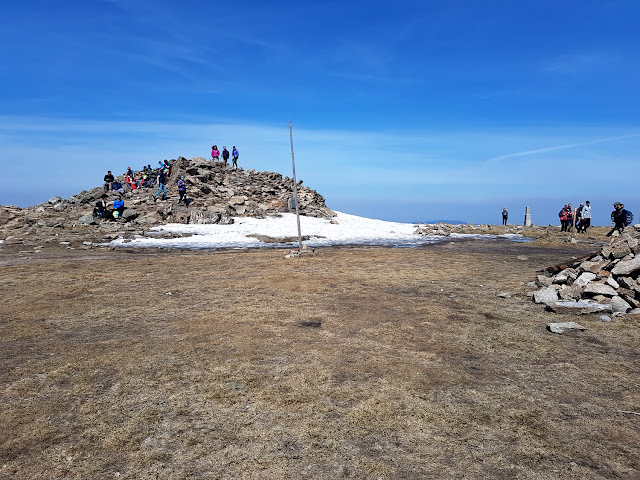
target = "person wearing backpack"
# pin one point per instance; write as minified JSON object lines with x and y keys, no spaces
{"x":620,"y":218}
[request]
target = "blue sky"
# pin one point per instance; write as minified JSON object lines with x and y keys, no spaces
{"x":405,"y":111}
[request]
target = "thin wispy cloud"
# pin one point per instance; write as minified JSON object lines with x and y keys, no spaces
{"x":562,"y":147}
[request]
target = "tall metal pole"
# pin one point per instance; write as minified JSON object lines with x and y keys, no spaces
{"x":295,"y":189}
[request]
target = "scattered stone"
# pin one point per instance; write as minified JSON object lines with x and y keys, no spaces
{"x":561,"y":328}
{"x":577,"y":307}
{"x":599,"y":289}
{"x":618,"y":305}
{"x":504,"y":295}
{"x":604,"y":318}
{"x":584,"y":279}
{"x":546,"y":295}
{"x":627,"y":267}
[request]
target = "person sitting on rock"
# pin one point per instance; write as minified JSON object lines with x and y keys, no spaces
{"x":117,"y":187}
{"x":167,"y":168}
{"x":118,"y":207}
{"x":108,"y":181}
{"x":131,"y":181}
{"x":225,"y":155}
{"x":100,"y":210}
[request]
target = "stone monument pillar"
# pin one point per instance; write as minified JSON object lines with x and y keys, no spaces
{"x":527,"y":217}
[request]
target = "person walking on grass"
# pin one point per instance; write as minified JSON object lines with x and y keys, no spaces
{"x":505,"y":216}
{"x":161,"y":179}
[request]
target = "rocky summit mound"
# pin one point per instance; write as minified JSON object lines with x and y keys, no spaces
{"x":216,"y":193}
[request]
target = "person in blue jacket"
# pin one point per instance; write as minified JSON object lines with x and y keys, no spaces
{"x":235,"y":157}
{"x":118,"y":207}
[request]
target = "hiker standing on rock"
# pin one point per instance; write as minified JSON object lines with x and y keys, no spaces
{"x":182,"y":190}
{"x":215,"y":153}
{"x":235,"y":157}
{"x":225,"y":155}
{"x":108,"y":181}
{"x":505,"y":216}
{"x":162,"y":187}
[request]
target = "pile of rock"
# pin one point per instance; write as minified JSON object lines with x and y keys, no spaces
{"x":605,"y":281}
{"x":216,"y":192}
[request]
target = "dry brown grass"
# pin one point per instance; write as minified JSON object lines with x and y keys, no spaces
{"x":351,"y":363}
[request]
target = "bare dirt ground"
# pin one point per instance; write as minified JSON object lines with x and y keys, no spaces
{"x":349,"y":363}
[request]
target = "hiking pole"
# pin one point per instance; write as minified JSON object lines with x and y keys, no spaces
{"x":295,"y":189}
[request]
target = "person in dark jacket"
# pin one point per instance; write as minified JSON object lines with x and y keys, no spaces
{"x":100,"y":210}
{"x":108,"y":181}
{"x":225,"y":155}
{"x":505,"y":216}
{"x":619,"y":219}
{"x":162,"y":187}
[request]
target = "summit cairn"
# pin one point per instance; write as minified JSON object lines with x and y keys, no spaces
{"x":607,"y":281}
{"x":216,"y":192}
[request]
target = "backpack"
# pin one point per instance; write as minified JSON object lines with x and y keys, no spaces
{"x":629,"y":218}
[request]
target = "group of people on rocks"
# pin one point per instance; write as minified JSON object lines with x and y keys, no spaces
{"x":215,"y":155}
{"x":102,"y":210}
{"x":148,"y":177}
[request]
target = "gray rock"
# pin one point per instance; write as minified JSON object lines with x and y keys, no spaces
{"x":584,"y":279}
{"x":577,"y":307}
{"x":130,"y":214}
{"x":593,"y":265}
{"x":599,"y":289}
{"x":627,"y":267}
{"x":618,"y":305}
{"x":612,"y":283}
{"x":604,"y":318}
{"x":570,"y":292}
{"x":87,"y":220}
{"x":504,"y":295}
{"x":563,"y":327}
{"x":546,"y":295}
{"x":544,"y":281}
